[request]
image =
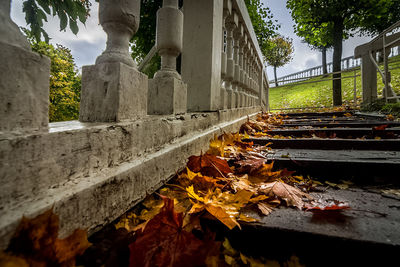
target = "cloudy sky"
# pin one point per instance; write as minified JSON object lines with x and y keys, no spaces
{"x":91,"y":39}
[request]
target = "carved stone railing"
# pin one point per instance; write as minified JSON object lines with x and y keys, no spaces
{"x":93,"y":170}
{"x":221,"y":59}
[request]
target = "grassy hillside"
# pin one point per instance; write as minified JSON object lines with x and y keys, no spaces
{"x":319,"y":94}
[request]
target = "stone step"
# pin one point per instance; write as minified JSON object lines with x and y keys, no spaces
{"x":367,"y":166}
{"x":329,"y":144}
{"x":318,"y":114}
{"x":364,"y":235}
{"x":351,"y":124}
{"x":339,"y":132}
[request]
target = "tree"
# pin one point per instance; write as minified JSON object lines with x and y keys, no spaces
{"x":280,"y":52}
{"x":317,"y":38}
{"x":346,"y":17}
{"x":65,"y":82}
{"x":69,"y":12}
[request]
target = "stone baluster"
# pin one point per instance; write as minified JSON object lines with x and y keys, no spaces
{"x":243,"y":42}
{"x":245,"y":74}
{"x":260,"y":84}
{"x":255,"y":80}
{"x":237,"y":34}
{"x":231,"y":24}
{"x":251,"y":73}
{"x":167,"y":91}
{"x":246,"y":79}
{"x":257,"y":96}
{"x":24,"y":80}
{"x":113,"y":89}
{"x":224,"y":94}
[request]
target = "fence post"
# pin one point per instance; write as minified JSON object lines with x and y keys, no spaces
{"x":368,"y":79}
{"x":24,"y":79}
{"x":113,"y":89}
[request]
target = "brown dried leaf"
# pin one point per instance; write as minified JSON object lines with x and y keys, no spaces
{"x":264,"y":208}
{"x":291,"y":195}
{"x":209,"y":165}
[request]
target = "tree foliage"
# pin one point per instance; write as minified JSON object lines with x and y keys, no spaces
{"x":264,"y":25}
{"x":346,"y":17}
{"x":65,"y":82}
{"x":280,"y":53}
{"x":317,"y":37}
{"x":69,"y":12}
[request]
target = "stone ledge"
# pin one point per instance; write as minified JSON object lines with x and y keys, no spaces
{"x":93,"y":173}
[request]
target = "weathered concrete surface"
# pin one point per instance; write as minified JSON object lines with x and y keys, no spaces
{"x":371,"y":217}
{"x":92,"y":173}
{"x":112,"y":92}
{"x":167,"y":95}
{"x":24,"y":89}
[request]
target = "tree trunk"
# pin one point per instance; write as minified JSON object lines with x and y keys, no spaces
{"x":276,"y":80}
{"x":337,"y":58}
{"x":324,"y":67}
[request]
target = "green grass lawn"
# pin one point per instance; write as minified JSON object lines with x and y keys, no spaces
{"x":319,"y":94}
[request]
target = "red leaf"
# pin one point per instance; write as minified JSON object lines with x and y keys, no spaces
{"x":164,"y":242}
{"x":330,"y":204}
{"x":380,"y":128}
{"x":209,"y":165}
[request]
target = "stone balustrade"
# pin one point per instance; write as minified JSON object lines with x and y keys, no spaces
{"x":231,"y":57}
{"x":133,"y":133}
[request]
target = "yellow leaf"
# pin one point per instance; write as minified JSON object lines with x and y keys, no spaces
{"x":192,"y":194}
{"x":258,"y":198}
{"x":331,"y":184}
{"x":343,"y":186}
{"x":191,"y":174}
{"x":228,"y":249}
{"x":243,"y":197}
{"x":217,"y":147}
{"x":246,"y":218}
{"x":222,"y":216}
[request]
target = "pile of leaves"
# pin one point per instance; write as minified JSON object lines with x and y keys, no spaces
{"x":227,"y":182}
